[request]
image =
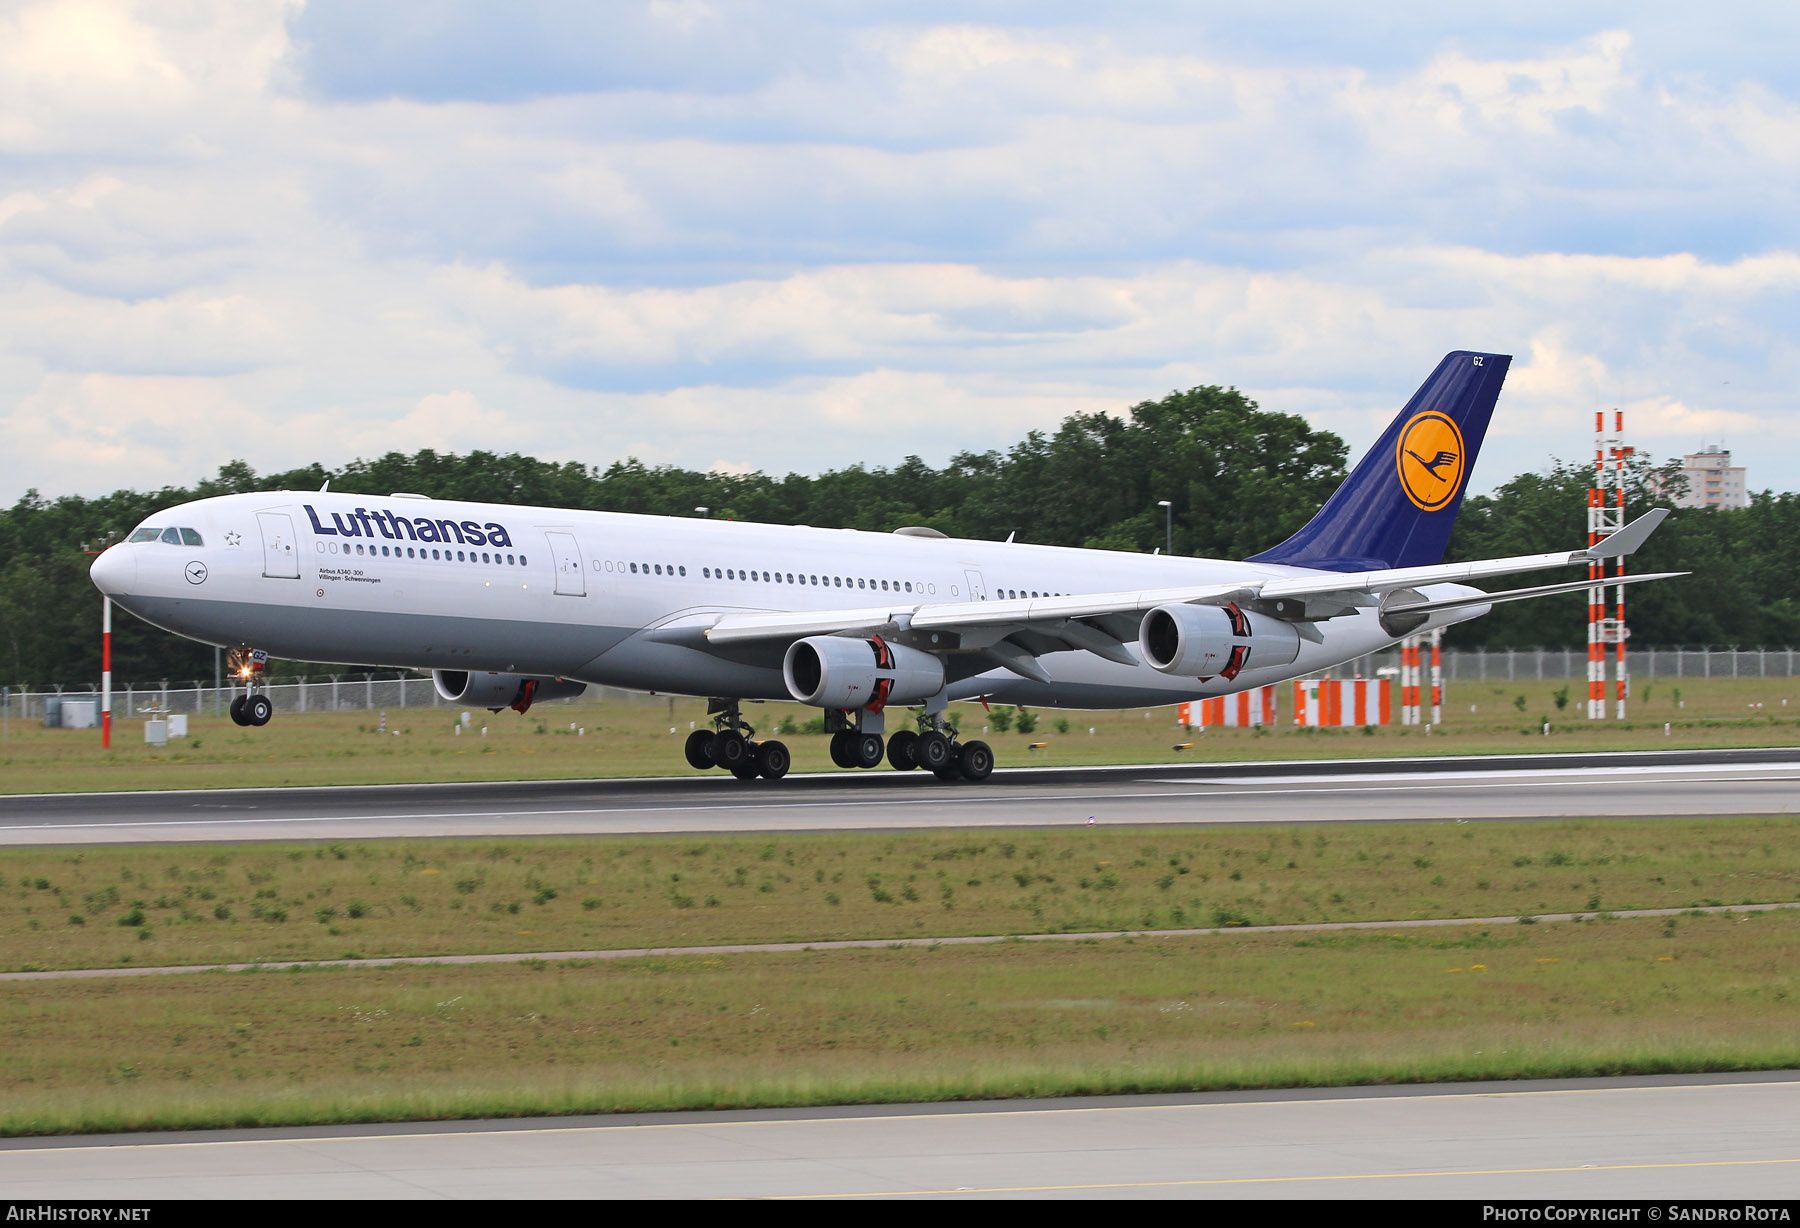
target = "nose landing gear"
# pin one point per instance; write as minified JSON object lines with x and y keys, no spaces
{"x":253,"y":707}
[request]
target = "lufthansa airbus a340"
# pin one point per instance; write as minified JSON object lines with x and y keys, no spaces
{"x":508,"y":605}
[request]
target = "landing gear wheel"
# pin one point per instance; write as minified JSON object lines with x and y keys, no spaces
{"x":748,"y":769}
{"x":903,"y":750}
{"x":258,"y":709}
{"x":730,"y":750}
{"x":699,"y":749}
{"x":865,"y":749}
{"x":949,"y":772}
{"x":976,"y":761}
{"x":934,"y":752}
{"x":237,"y":711}
{"x":840,"y":749}
{"x":773,"y":760}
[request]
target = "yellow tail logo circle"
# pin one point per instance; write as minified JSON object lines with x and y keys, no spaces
{"x":1430,"y":460}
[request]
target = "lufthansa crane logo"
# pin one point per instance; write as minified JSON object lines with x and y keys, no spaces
{"x":1430,"y":460}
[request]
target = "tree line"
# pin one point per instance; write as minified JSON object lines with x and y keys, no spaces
{"x":1238,"y":479}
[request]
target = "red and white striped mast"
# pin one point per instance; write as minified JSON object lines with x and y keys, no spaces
{"x":106,"y":673}
{"x":1606,"y":514}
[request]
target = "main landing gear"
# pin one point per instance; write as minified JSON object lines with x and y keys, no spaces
{"x":731,"y":745}
{"x":934,"y":747}
{"x":857,"y":743}
{"x":253,"y":707}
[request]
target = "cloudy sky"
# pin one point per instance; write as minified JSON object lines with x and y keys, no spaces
{"x":797,"y":236}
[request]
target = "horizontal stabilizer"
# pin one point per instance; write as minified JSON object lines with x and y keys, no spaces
{"x":1520,"y":594}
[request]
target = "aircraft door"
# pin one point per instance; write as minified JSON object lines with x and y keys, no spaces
{"x":978,"y":590}
{"x":564,"y":551}
{"x":281,"y":561}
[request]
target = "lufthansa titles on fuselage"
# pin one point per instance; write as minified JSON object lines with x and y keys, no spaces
{"x":365,"y":523}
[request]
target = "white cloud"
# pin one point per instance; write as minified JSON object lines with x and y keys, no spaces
{"x":873,"y":240}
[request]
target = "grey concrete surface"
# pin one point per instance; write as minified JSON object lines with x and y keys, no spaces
{"x":1667,"y":1138}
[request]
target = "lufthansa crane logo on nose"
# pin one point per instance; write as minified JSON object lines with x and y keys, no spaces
{"x":1430,"y":460}
{"x":196,"y":572}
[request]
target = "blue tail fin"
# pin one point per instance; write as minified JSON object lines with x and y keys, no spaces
{"x":1396,"y":507}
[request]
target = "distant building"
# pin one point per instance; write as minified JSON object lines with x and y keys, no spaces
{"x":1712,"y":480}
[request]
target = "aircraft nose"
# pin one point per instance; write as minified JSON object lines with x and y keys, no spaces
{"x":115,"y":571}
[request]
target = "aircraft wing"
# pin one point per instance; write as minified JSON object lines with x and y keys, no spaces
{"x":1103,"y":622}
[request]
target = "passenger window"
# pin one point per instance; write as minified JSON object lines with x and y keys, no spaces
{"x":684,"y":569}
{"x":634,"y":569}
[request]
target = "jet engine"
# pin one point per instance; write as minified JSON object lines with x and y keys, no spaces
{"x":497,"y":691}
{"x":1208,"y":641}
{"x":830,"y":671}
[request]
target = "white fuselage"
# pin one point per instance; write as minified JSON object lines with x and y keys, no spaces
{"x":617,"y":599}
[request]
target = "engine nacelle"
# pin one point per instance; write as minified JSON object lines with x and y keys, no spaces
{"x":1210,"y":641}
{"x":833,"y":671}
{"x":497,"y":691}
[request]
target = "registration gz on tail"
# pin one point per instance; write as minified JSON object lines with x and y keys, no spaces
{"x":505,"y":606}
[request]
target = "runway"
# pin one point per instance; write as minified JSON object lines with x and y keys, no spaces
{"x":1332,"y":791}
{"x":1660,"y":1137}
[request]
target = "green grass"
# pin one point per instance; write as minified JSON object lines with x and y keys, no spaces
{"x":644,"y":738}
{"x":191,"y":904}
{"x":1028,"y":1019}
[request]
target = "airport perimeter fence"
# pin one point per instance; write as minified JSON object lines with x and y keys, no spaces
{"x":1540,"y":664}
{"x":379,"y":691}
{"x":388,"y":689}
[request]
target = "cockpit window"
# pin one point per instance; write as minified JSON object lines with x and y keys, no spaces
{"x":172,"y":536}
{"x":190,"y":537}
{"x":145,"y":535}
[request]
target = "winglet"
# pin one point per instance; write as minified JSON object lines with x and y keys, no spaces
{"x":1626,"y":540}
